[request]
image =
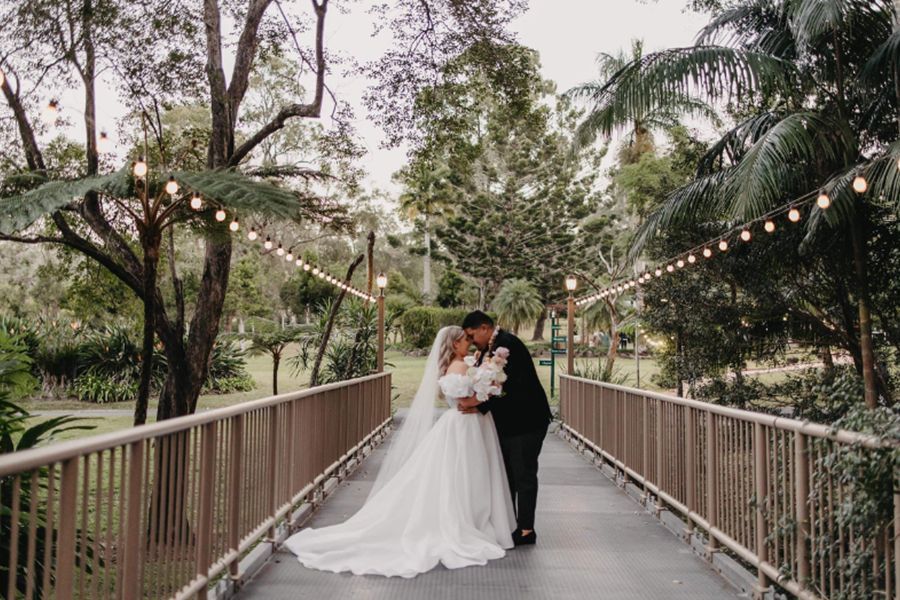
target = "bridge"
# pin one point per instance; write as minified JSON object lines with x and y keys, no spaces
{"x":643,"y":495}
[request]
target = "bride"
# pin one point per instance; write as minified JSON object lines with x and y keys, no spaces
{"x":441,"y":495}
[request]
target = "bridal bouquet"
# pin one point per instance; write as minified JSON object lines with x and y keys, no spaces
{"x":488,"y":377}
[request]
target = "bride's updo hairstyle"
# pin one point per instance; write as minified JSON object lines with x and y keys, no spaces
{"x":452,"y":335}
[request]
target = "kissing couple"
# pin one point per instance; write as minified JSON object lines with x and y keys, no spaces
{"x":459,"y":490}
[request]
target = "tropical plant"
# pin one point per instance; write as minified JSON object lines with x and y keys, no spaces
{"x":517,"y":303}
{"x":809,"y":82}
{"x":273,"y":341}
{"x":18,"y":432}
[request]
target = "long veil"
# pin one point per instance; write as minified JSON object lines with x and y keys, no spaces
{"x":418,"y":421}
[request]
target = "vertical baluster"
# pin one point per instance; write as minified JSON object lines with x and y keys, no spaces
{"x":14,"y":536}
{"x":712,"y":484}
{"x":31,"y":557}
{"x":204,"y":524}
{"x":132,"y":541}
{"x":761,"y":471}
{"x":689,"y":467}
{"x":271,"y":469}
{"x":234,"y":491}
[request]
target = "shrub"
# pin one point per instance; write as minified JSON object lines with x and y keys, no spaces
{"x":421,"y":324}
{"x":103,"y":389}
{"x":228,"y":370}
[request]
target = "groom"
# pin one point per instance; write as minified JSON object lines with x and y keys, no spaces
{"x":521,"y":415}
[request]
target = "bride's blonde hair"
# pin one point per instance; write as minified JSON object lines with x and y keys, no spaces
{"x":451,"y":336}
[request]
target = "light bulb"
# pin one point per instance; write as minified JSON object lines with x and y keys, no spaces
{"x":289,"y":256}
{"x":220,"y":215}
{"x":793,"y":215}
{"x":670,"y":268}
{"x":692,"y":259}
{"x":139,"y":168}
{"x":723,"y":245}
{"x":268,"y":244}
{"x":252,"y":235}
{"x":860,"y":185}
{"x":51,"y":112}
{"x":299,"y":262}
{"x":306,"y":267}
{"x":315,"y":271}
{"x":745,"y":235}
{"x":171,"y":186}
{"x":280,"y":251}
{"x":321,"y":274}
{"x":707,"y":252}
{"x":196,"y":202}
{"x":103,"y":142}
{"x":680,"y":263}
{"x":823,"y":201}
{"x":658,"y":272}
{"x":769,"y":226}
{"x":234,"y":225}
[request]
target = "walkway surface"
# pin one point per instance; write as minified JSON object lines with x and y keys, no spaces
{"x":593,"y":542}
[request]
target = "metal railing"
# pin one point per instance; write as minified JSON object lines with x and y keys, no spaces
{"x":752,"y":482}
{"x":163,"y":510}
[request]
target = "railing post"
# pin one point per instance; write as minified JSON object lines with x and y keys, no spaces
{"x":235,"y":476}
{"x":760,"y":465}
{"x":659,"y":454}
{"x":896,"y":532}
{"x":712,"y":481}
{"x":689,"y":470}
{"x":132,"y":542}
{"x":65,"y":550}
{"x":570,"y":335}
{"x":380,"y":304}
{"x":645,"y":446}
{"x":205,"y":508}
{"x":271,"y":468}
{"x":801,"y":479}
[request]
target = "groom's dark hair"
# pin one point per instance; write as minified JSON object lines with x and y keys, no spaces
{"x":476,"y":319}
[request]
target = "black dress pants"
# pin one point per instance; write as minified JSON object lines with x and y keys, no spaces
{"x":520,"y":456}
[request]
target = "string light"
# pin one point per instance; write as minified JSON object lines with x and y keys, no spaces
{"x":299,"y":262}
{"x":769,"y":226}
{"x":252,"y":235}
{"x":103,"y":143}
{"x":234,"y":225}
{"x":680,"y":263}
{"x":658,"y":272}
{"x":745,"y":235}
{"x":220,"y":215}
{"x":280,"y":251}
{"x":307,"y":267}
{"x":823,"y":201}
{"x":268,"y":244}
{"x":289,"y":256}
{"x":692,"y":259}
{"x":723,"y":245}
{"x":315,"y":271}
{"x":860,"y":185}
{"x":670,"y":268}
{"x":707,"y":252}
{"x":51,"y":112}
{"x":139,"y":168}
{"x":794,"y":215}
{"x":196,"y":202}
{"x":171,"y":186}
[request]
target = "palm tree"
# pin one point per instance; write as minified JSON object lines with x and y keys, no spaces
{"x":518,"y":302}
{"x":816,"y":85}
{"x":427,"y":198}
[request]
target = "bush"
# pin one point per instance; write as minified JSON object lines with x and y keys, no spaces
{"x":228,"y":370}
{"x":103,"y":389}
{"x":421,"y":324}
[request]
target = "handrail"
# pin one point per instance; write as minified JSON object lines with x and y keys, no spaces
{"x":756,"y":484}
{"x":162,"y":510}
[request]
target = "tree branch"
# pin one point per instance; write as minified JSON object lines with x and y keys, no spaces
{"x":246,"y":52}
{"x":326,"y":335}
{"x":312,"y":109}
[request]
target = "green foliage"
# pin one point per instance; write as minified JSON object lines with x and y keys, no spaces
{"x":517,"y":303}
{"x":303,"y":291}
{"x":421,"y":324}
{"x":450,"y":289}
{"x":227,"y":370}
{"x":15,"y":435}
{"x":868,"y":478}
{"x":245,"y":289}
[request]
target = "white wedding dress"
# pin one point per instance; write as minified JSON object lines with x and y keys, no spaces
{"x":448,"y":502}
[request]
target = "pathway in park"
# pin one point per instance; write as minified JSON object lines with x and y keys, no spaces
{"x":594,"y":542}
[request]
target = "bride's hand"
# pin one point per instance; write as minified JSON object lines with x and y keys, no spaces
{"x":467,"y":405}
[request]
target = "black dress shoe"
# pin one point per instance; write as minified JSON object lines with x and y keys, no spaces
{"x":524,"y":540}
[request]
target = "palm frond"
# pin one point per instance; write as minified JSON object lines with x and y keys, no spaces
{"x":761,"y":26}
{"x":810,"y":20}
{"x":237,"y":191}
{"x":21,"y":211}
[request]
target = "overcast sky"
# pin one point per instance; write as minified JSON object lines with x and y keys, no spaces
{"x":568,"y":34}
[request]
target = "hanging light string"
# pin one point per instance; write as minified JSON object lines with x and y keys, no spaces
{"x":720,"y":244}
{"x":256,"y":235}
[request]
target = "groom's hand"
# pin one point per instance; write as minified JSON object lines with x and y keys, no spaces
{"x":467,"y":405}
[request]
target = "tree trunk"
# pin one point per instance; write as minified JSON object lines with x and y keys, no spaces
{"x":426,"y":271}
{"x":870,"y":380}
{"x":611,"y":353}
{"x":276,"y":359}
{"x":370,"y":262}
{"x":151,"y":264}
{"x":539,"y":327}
{"x":335,"y":307}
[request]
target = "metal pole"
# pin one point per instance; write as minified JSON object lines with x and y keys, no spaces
{"x":381,"y":331}
{"x":570,"y":335}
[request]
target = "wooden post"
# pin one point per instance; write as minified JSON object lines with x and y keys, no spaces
{"x":381,"y":331}
{"x":570,"y":336}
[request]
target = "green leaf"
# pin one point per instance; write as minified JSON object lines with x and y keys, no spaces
{"x":237,"y":191}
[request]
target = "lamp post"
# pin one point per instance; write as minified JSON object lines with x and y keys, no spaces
{"x":381,"y":282}
{"x":571,"y":285}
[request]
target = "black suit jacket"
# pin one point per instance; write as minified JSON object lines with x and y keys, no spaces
{"x":523,"y":407}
